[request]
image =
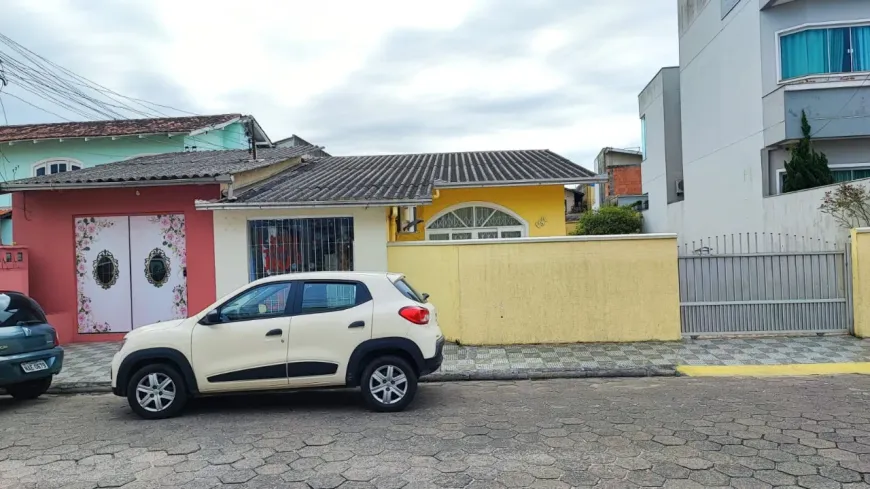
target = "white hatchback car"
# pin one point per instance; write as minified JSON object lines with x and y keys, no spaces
{"x":305,"y":330}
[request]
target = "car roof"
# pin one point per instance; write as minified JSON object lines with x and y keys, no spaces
{"x":328,"y":276}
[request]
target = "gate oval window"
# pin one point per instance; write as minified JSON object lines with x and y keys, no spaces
{"x":475,"y":221}
{"x":157,"y":267}
{"x":106,"y":269}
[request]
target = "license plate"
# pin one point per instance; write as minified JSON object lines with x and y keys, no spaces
{"x":36,"y":366}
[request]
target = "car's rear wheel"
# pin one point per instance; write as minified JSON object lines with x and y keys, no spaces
{"x":156,"y":391}
{"x":31,"y":389}
{"x":388,"y":384}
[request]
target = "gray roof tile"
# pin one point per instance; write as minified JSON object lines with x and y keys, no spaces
{"x":408,"y":177}
{"x":167,"y":166}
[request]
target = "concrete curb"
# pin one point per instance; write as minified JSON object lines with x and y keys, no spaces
{"x":479,"y":375}
{"x":80,"y":388}
{"x":543,"y":374}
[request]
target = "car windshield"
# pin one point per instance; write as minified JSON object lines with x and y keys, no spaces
{"x":18,"y":310}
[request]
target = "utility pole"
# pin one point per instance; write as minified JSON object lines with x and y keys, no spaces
{"x":253,"y":139}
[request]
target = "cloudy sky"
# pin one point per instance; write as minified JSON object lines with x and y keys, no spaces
{"x":379,"y":76}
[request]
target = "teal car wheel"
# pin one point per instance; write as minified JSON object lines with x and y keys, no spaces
{"x":32,"y":389}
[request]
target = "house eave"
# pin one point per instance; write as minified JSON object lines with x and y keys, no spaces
{"x":12,"y":142}
{"x":10,"y":188}
{"x":522,"y":183}
{"x":229,"y":206}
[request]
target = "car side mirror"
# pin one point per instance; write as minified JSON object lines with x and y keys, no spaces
{"x":213,"y":317}
{"x":425,"y":297}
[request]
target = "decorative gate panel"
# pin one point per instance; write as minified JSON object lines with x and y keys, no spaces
{"x":103,"y":274}
{"x":159,"y":268}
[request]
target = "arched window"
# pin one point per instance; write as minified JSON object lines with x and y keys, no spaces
{"x":55,"y":165}
{"x":475,"y":221}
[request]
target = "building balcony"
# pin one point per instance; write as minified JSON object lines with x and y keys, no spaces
{"x":835,"y":110}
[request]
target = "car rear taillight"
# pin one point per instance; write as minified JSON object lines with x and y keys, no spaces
{"x":415,"y":314}
{"x":54,"y":337}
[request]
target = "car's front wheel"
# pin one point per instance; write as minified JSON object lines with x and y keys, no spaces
{"x":388,"y":384}
{"x":31,"y":389}
{"x":156,"y":391}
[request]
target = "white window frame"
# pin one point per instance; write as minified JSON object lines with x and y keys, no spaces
{"x":780,"y":172}
{"x":46,"y":163}
{"x":475,"y":231}
{"x":811,"y":26}
{"x":643,"y":137}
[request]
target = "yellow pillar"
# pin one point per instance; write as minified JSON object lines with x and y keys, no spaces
{"x":861,"y":281}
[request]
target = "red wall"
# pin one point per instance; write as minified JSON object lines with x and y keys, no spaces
{"x":14,"y":274}
{"x":43,"y":222}
{"x":624,"y":180}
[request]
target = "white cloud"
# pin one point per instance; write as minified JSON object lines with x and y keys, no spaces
{"x":363,"y":77}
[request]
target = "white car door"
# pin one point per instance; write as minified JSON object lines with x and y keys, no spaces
{"x":330,"y":319}
{"x":244,"y":346}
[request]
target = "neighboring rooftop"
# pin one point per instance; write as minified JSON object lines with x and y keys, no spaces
{"x":405,"y":178}
{"x":126,"y":127}
{"x":162,"y":167}
{"x":295,"y":140}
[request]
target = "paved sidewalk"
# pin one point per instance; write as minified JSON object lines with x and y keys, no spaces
{"x":86,"y":366}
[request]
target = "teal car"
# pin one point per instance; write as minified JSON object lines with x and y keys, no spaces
{"x":29,"y":351}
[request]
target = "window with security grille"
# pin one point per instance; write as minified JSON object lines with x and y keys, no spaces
{"x":475,"y":222}
{"x":278,"y":246}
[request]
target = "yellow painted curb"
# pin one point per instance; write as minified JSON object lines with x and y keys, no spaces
{"x":774,"y":370}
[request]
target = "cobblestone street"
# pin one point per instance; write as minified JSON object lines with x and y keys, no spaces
{"x":672,"y":432}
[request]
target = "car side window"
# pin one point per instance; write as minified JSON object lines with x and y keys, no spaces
{"x":330,"y":296}
{"x":261,"y":302}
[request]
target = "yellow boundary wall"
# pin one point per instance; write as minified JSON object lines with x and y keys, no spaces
{"x":861,"y":281}
{"x":548,"y":290}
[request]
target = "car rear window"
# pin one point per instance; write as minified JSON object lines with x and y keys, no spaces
{"x":17,"y":310}
{"x":408,"y":291}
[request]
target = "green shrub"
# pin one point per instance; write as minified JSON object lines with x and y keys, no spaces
{"x":610,"y":220}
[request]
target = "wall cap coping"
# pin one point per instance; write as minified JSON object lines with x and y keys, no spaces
{"x":541,"y":239}
{"x":862,"y":230}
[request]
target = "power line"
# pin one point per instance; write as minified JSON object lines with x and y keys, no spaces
{"x":858,"y":89}
{"x":759,"y":132}
{"x":87,"y":83}
{"x":38,"y":107}
{"x":65,"y":89}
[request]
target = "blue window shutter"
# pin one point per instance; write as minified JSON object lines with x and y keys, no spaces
{"x":804,"y":53}
{"x":861,"y":45}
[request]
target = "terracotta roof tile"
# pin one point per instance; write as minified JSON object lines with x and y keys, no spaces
{"x":125,"y":127}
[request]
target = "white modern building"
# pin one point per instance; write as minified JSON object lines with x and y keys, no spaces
{"x":717,"y":129}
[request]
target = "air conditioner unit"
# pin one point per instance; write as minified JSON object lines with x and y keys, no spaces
{"x":679,"y":185}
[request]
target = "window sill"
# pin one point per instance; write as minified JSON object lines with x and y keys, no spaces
{"x":809,"y":81}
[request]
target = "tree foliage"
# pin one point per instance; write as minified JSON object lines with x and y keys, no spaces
{"x":848,"y":204}
{"x":807,"y":168}
{"x":610,"y":220}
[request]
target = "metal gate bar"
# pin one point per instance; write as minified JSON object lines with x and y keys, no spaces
{"x":756,"y":293}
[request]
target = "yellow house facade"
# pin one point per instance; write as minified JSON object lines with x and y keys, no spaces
{"x":539,"y":209}
{"x":476,"y":225}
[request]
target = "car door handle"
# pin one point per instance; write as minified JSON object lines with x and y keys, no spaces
{"x":274,"y":332}
{"x":357,"y":324}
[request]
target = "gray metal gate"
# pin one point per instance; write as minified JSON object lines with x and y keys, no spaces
{"x":763,"y":293}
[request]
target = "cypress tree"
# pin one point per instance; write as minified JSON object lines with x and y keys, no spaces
{"x":807,"y":167}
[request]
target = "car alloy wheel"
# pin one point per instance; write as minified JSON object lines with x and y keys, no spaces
{"x":388,"y":384}
{"x":155,"y":392}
